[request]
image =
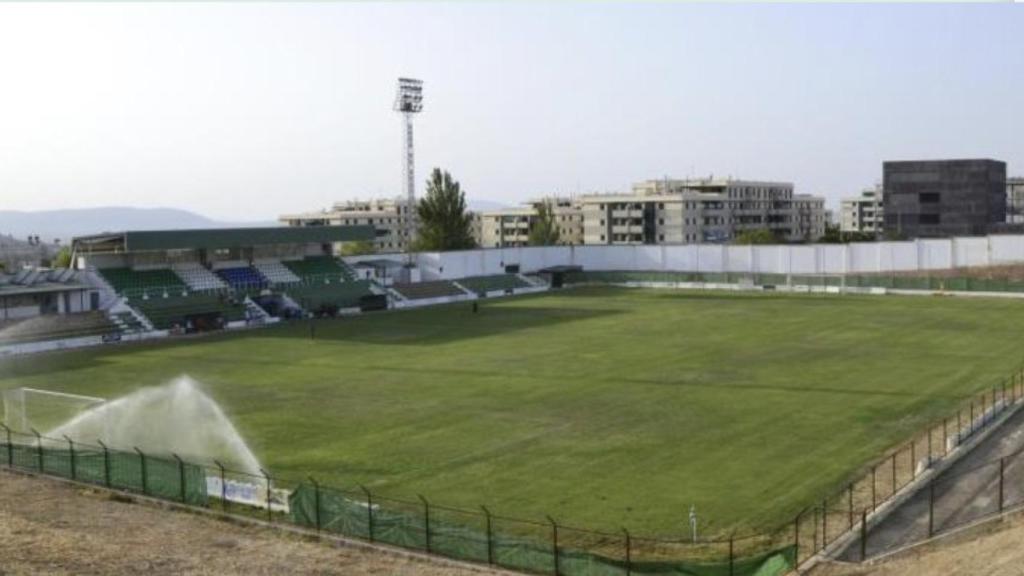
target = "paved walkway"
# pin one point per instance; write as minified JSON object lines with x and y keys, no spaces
{"x":967,"y":491}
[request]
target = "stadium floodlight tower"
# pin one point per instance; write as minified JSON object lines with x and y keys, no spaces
{"x":409,"y":101}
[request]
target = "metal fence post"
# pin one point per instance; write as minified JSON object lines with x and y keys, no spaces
{"x":873,"y":499}
{"x":732,"y":560}
{"x":931,"y":508}
{"x":929,"y":447}
{"x":490,"y":536}
{"x":864,"y":535}
{"x":142,"y":461}
{"x":945,"y":437}
{"x":223,"y":486}
{"x":894,"y":473}
{"x":369,"y":511}
{"x":270,"y":512}
{"x":10,"y":447}
{"x":181,"y":476}
{"x":554,"y":543}
{"x":71,"y":454}
{"x":959,"y":428}
{"x":850,"y":503}
{"x":426,"y":521}
{"x":106,"y":463}
{"x":316,"y":503}
{"x":814,"y":532}
{"x":972,"y":418}
{"x":629,"y":552}
{"x":1002,"y":468}
{"x":824,"y":523}
{"x":39,"y":447}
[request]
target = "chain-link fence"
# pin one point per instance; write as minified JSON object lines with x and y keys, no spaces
{"x":544,"y":547}
{"x":814,"y":282}
{"x":851,"y":508}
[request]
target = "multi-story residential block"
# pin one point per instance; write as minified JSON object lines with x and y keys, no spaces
{"x":864,"y":213}
{"x":387,"y":215}
{"x":1015,"y":200}
{"x":937,"y":198}
{"x":511,"y":227}
{"x":696,"y":211}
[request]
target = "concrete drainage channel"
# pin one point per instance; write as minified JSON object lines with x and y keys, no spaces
{"x":980,"y":481}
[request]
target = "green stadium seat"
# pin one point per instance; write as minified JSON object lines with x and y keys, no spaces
{"x":164,"y":313}
{"x":142,"y":283}
{"x":424,"y":290}
{"x":314,"y":297}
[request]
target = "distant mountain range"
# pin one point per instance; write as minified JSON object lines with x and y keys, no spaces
{"x":64,"y":224}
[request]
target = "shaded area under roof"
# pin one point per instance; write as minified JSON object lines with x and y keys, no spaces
{"x":214,"y":238}
{"x":379,"y":263}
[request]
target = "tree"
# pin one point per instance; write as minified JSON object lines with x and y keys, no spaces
{"x":358,"y":248}
{"x":759,"y":236}
{"x":544,"y":231}
{"x":833,"y":235}
{"x":444,"y":222}
{"x":63,"y":258}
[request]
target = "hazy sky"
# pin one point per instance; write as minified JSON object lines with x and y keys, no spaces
{"x":246,"y":111}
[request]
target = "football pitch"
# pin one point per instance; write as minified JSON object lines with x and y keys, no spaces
{"x":601,"y":407}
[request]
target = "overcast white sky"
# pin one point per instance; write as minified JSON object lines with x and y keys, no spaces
{"x":245,"y":111}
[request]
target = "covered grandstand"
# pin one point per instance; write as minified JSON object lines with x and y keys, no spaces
{"x":197,"y":280}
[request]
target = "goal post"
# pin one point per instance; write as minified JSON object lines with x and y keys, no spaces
{"x":28,"y":409}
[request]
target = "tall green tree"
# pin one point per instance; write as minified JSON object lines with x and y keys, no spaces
{"x":544,"y":231}
{"x":444,"y":222}
{"x":63,"y":258}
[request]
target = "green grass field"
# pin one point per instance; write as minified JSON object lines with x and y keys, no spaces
{"x":601,"y":407}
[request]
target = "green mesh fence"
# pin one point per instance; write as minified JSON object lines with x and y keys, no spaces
{"x":153,"y":476}
{"x":902,"y":282}
{"x":513,"y":544}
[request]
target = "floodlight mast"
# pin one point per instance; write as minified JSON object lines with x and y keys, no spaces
{"x":409,"y":101}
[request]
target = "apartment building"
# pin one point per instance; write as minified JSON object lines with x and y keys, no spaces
{"x":386,"y":215}
{"x":698,"y":211}
{"x":510,"y":227}
{"x":864,"y":213}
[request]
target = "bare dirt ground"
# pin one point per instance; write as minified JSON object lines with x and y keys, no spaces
{"x":992,"y":550}
{"x":52,"y":527}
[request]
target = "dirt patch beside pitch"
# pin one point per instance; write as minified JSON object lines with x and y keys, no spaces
{"x":52,"y":527}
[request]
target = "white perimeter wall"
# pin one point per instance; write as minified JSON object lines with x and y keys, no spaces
{"x":777,"y":259}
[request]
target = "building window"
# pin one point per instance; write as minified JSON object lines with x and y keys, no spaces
{"x":928,"y":197}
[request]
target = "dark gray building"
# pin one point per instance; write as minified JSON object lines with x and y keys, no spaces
{"x":932,"y":198}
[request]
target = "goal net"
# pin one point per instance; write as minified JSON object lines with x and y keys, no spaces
{"x":27,"y":409}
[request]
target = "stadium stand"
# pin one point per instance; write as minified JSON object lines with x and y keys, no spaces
{"x":317,"y":297}
{"x":133,"y":283}
{"x":55,"y":327}
{"x":497,"y":282}
{"x":198,"y":277}
{"x":243,"y":278}
{"x":276,"y":272}
{"x":424,"y":290}
{"x":321,"y":269}
{"x":164,"y":313}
